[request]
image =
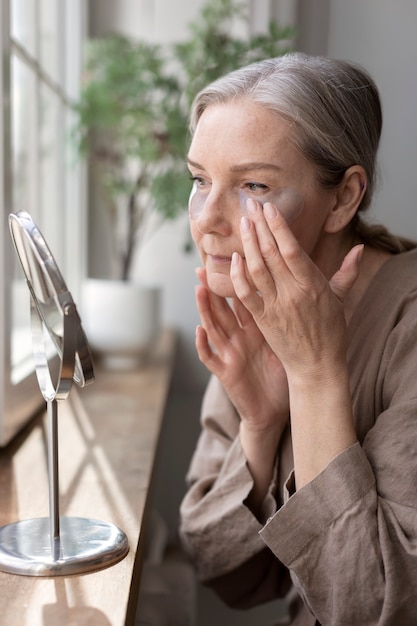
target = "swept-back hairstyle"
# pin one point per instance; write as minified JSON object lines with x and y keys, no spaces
{"x":335,"y":110}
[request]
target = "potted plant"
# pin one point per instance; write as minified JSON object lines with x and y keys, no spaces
{"x":132,"y":117}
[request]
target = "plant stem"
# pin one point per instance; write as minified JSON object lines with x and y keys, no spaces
{"x":136,"y":218}
{"x":127,"y":257}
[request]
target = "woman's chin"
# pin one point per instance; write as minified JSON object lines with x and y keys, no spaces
{"x":221,"y":285}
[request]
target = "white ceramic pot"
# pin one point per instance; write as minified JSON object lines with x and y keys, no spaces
{"x":121,"y":321}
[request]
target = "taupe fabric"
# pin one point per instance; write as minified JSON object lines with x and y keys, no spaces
{"x":347,"y":541}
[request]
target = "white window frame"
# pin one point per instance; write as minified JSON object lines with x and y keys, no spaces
{"x":20,"y":398}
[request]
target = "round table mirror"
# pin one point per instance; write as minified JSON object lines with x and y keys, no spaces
{"x":55,"y":545}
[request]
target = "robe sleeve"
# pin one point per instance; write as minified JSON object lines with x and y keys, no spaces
{"x":217,"y":529}
{"x":349,"y":537}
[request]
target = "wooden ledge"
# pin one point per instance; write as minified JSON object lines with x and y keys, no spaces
{"x":108,"y":439}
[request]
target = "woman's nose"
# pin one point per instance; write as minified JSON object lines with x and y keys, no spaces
{"x":211,"y":212}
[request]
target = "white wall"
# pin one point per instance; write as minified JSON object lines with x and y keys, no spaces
{"x":381,"y":36}
{"x":158,"y":20}
{"x":313,"y":26}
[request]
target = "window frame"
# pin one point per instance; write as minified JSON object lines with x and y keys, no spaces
{"x":22,"y":400}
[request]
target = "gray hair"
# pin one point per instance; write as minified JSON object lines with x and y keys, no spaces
{"x":334,"y":107}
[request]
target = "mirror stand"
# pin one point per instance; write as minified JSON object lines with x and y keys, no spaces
{"x":55,"y":546}
{"x":59,"y":546}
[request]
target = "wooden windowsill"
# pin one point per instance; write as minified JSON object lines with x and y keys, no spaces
{"x":108,"y":439}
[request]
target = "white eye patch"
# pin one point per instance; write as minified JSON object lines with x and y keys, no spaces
{"x":288,"y":201}
{"x":195,"y":202}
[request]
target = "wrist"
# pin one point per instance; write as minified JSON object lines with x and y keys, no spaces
{"x":326,"y":376}
{"x":321,"y":421}
{"x":260,"y":447}
{"x":264,"y":436}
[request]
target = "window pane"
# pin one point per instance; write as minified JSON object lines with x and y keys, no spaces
{"x":23,"y":24}
{"x":21,"y":339}
{"x":72,"y":36}
{"x":45,"y":175}
{"x":24,"y":153}
{"x":49,"y":38}
{"x":73,"y":225}
{"x":24,"y":197}
{"x":50,"y":192}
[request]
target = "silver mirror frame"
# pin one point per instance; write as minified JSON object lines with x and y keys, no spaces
{"x":52,"y":305}
{"x":55,"y":546}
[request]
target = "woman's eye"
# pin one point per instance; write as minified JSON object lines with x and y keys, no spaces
{"x":198,"y":181}
{"x":256,"y":187}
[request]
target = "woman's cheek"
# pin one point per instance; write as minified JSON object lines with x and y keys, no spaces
{"x":195,"y":233}
{"x":287,"y":200}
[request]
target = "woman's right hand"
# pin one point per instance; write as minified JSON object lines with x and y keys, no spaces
{"x":232,"y":347}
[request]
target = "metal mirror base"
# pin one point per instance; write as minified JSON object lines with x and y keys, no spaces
{"x":55,"y":546}
{"x":84,"y":545}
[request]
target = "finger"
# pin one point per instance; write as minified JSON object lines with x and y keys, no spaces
{"x":206,"y":355}
{"x":343,"y":280}
{"x":259,"y":254}
{"x":201,"y":275}
{"x":294,"y":257}
{"x":268,"y":274}
{"x":244,"y":317}
{"x":219,"y":305}
{"x":213,"y":333}
{"x":220,"y":302}
{"x":244,"y":290}
{"x":203,"y":300}
{"x":266,"y":241}
{"x":216,"y":316}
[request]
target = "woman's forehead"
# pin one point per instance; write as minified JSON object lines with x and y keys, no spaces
{"x":240,"y":112}
{"x":249,"y":136}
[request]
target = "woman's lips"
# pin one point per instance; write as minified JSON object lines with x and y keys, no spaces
{"x":219,"y":260}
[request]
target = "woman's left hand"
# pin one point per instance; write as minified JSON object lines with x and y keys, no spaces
{"x":299,"y":312}
{"x":301,"y":315}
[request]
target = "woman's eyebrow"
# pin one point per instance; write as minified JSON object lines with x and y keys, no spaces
{"x":243,"y":167}
{"x":194,"y":164}
{"x":250,"y":167}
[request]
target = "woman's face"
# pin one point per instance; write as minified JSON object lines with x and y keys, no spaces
{"x":243,"y":150}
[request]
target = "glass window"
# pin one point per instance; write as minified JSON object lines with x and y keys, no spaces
{"x":41,"y":42}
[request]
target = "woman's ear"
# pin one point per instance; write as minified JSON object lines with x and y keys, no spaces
{"x":348,"y":198}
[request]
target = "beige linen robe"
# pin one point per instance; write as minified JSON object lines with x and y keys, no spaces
{"x":346,"y":541}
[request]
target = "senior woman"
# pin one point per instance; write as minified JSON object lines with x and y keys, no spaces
{"x":304,"y":477}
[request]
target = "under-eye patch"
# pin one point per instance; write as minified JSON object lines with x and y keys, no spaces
{"x":195,"y":202}
{"x":288,"y":201}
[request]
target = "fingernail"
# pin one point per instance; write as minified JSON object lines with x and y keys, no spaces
{"x":244,"y":224}
{"x":252,"y":205}
{"x":269,"y":210}
{"x":235,"y":258}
